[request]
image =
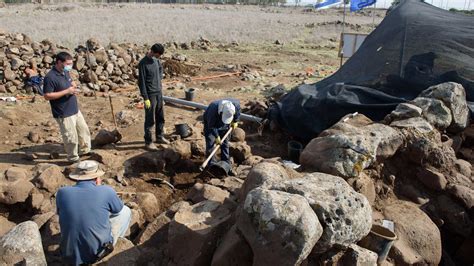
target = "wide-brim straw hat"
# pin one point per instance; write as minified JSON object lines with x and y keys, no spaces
{"x":86,"y":170}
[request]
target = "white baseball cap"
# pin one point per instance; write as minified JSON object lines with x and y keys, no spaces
{"x":227,"y":111}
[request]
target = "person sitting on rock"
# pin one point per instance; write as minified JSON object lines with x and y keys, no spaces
{"x":91,"y":216}
{"x":60,"y":90}
{"x":219,"y":116}
{"x":34,"y":80}
{"x":150,"y":74}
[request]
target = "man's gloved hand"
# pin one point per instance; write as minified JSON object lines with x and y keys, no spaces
{"x":147,"y":104}
{"x":218,"y":141}
{"x":234,"y":125}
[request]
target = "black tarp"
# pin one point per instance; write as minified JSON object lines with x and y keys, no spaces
{"x":416,"y":46}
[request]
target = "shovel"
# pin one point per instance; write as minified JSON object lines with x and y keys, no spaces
{"x":115,"y":132}
{"x":213,"y":152}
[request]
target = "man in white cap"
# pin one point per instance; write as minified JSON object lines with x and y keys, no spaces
{"x":219,"y":116}
{"x":91,"y":216}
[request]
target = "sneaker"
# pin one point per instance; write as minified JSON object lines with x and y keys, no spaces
{"x":150,"y":147}
{"x":162,"y":140}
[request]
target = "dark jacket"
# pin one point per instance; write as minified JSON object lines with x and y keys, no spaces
{"x":150,"y":74}
{"x":212,"y":119}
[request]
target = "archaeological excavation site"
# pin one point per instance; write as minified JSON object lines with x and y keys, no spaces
{"x":236,"y":134}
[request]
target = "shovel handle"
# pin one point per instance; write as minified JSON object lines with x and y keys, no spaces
{"x":113,"y":113}
{"x":213,"y":152}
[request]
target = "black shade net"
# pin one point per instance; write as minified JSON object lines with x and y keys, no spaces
{"x":416,"y":46}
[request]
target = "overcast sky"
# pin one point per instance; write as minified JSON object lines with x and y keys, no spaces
{"x":459,"y":4}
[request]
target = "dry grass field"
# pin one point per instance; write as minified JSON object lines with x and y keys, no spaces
{"x":71,"y":24}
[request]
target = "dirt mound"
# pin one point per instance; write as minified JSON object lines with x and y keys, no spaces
{"x":173,"y":68}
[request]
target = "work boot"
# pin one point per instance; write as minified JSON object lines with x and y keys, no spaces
{"x":150,"y":147}
{"x":162,"y":140}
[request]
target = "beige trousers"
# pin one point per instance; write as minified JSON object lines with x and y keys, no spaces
{"x":76,"y":135}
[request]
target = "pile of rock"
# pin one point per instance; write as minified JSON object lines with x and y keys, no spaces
{"x":96,"y":66}
{"x":411,"y":156}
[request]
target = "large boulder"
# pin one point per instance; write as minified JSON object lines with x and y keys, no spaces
{"x":347,"y":148}
{"x":419,"y":239}
{"x":22,"y":245}
{"x":225,"y":254}
{"x":453,"y":96}
{"x":201,"y":192}
{"x":345,"y":215}
{"x":281,"y":228}
{"x":263,"y":175}
{"x":14,"y":191}
{"x":52,"y":178}
{"x":194,"y":232}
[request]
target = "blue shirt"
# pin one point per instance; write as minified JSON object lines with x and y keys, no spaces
{"x":84,"y":211}
{"x":56,"y":81}
{"x":213,"y":120}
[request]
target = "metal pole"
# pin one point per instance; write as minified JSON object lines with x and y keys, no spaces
{"x":201,"y":106}
{"x":342,"y":34}
{"x":373,"y":14}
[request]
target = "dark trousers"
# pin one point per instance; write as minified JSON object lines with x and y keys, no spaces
{"x":210,"y":140}
{"x":154,"y":114}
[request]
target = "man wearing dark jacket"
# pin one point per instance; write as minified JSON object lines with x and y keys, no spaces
{"x":150,"y":74}
{"x":219,"y":116}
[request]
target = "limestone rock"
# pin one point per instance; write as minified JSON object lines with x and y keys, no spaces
{"x":263,"y":175}
{"x":201,"y":192}
{"x":419,"y":239}
{"x":345,"y":215}
{"x":22,"y":244}
{"x":453,"y":96}
{"x":281,"y":228}
{"x":194,"y":231}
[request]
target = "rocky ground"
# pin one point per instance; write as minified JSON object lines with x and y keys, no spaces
{"x":414,"y":168}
